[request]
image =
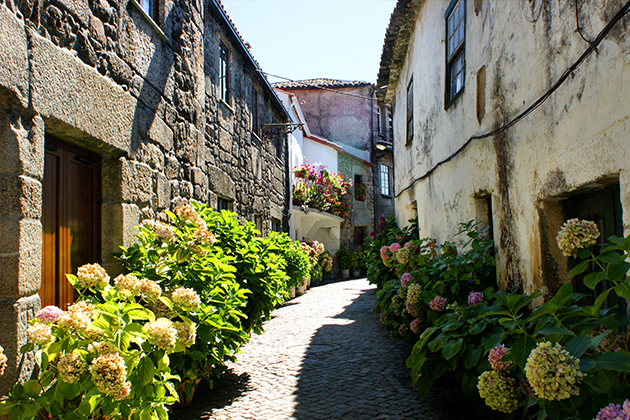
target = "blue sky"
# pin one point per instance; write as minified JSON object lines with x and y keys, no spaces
{"x":308,"y":39}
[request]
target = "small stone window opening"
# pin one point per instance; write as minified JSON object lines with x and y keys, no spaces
{"x":481,"y":94}
{"x":359,"y":237}
{"x":378,"y":121}
{"x":360,"y":189}
{"x":224,"y":72}
{"x":483,"y":214}
{"x":224,"y":204}
{"x":455,"y":49}
{"x":258,"y":220}
{"x":385,"y":180}
{"x":409,"y":113}
{"x":276,"y":225}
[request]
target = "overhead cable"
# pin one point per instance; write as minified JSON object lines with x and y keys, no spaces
{"x":593,"y":45}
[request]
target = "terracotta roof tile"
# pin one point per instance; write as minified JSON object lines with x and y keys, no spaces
{"x":327,"y":83}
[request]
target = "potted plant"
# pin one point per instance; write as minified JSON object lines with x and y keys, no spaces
{"x":343,"y":256}
{"x":354,"y":263}
{"x":360,"y":192}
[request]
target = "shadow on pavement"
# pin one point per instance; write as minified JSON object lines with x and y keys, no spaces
{"x":227,"y":389}
{"x":352,"y":369}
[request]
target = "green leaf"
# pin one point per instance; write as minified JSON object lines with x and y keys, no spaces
{"x":451,"y":348}
{"x":492,"y":341}
{"x":578,"y":345}
{"x":6,"y":407}
{"x":32,"y":388}
{"x":591,"y":280}
{"x":618,"y":362}
{"x":610,"y":257}
{"x":146,"y":371}
{"x":521,"y":349}
{"x":579,"y":269}
{"x":623,"y":289}
{"x":616,"y":272}
{"x":471,"y":356}
{"x":555,"y":330}
{"x":594,"y":310}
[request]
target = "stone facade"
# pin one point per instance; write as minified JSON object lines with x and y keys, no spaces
{"x":141,"y":94}
{"x":566,"y":158}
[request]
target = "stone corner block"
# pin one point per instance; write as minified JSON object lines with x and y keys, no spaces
{"x":14,"y":56}
{"x":21,"y":259}
{"x":14,"y":317}
{"x":20,"y":196}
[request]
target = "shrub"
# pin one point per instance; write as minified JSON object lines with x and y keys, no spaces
{"x":105,"y":357}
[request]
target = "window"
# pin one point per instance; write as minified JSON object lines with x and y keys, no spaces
{"x":224,"y":72}
{"x":359,"y":237}
{"x":360,"y":190}
{"x":254,"y":110}
{"x":150,"y":7}
{"x":276,"y":225}
{"x":409,"y":113}
{"x":223,"y":204}
{"x":385,"y":180}
{"x":455,"y":35}
{"x":378,"y":120}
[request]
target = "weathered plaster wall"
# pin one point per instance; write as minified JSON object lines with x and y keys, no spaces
{"x":337,"y":117}
{"x":98,"y":74}
{"x":576,"y":138}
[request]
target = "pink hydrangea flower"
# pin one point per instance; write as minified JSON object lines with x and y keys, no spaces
{"x":612,"y":412}
{"x":382,"y":219}
{"x":384,"y":250}
{"x":405,"y":278}
{"x":394,"y":247}
{"x":495,"y":356}
{"x":438,"y":304}
{"x":372,"y":234}
{"x":409,"y":245}
{"x":475,"y":298}
{"x":416,"y":325}
{"x":49,"y":313}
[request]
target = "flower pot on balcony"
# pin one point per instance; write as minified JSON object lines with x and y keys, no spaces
{"x":345,"y":273}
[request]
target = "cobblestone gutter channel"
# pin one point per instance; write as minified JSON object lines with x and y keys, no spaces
{"x":323,"y":356}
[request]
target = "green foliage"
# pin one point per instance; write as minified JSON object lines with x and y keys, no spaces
{"x":296,"y":262}
{"x":344,"y":257}
{"x":107,"y":323}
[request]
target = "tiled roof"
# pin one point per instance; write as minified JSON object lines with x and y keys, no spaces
{"x":326,"y":83}
{"x":397,"y":38}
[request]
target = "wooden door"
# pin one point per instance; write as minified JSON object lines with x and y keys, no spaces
{"x":70,"y":218}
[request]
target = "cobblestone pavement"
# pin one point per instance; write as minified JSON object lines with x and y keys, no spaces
{"x":324,"y":355}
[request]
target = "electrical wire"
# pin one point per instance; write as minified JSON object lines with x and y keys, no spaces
{"x":577,"y":22}
{"x":593,"y":45}
{"x":317,"y":86}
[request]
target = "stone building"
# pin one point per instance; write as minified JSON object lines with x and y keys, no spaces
{"x":513,"y":113}
{"x":111,"y":111}
{"x":346,"y":114}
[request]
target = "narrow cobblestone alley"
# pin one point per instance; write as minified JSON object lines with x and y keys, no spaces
{"x":324,"y":355}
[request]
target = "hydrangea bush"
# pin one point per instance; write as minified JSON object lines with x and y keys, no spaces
{"x":106,"y":356}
